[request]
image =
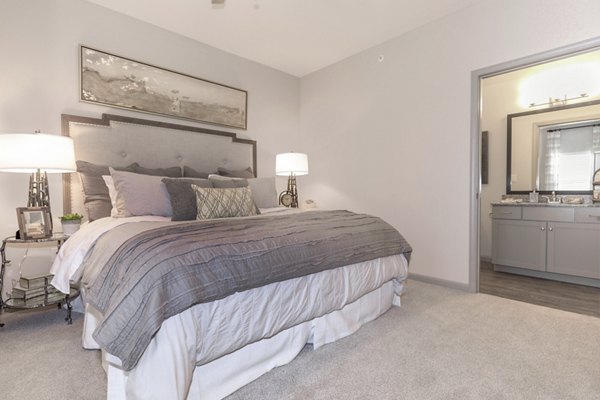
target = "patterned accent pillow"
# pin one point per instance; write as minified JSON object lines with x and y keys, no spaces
{"x":223,"y":203}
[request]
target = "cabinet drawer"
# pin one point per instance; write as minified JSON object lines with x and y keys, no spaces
{"x":558,"y":214}
{"x":506,"y":212}
{"x":588,"y":215}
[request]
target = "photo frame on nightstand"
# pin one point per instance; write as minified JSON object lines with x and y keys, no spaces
{"x":34,"y":222}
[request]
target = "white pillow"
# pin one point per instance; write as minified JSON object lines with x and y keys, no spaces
{"x":224,"y":178}
{"x":112,"y":193}
{"x":140,"y":195}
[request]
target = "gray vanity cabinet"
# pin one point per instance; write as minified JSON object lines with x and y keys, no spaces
{"x":554,"y":242}
{"x":519,"y":243}
{"x":574,"y":249}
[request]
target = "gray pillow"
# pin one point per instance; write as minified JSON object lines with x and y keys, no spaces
{"x":172,"y":172}
{"x":224,"y":203}
{"x":96,"y":199}
{"x":264,"y":192}
{"x":139,"y":194}
{"x":225,"y":183}
{"x":190,"y":172}
{"x":244,"y":173}
{"x":183,"y":197}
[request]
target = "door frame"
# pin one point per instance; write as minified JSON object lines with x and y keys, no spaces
{"x":475,"y":182}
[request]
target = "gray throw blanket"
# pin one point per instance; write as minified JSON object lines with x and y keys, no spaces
{"x":163,"y":271}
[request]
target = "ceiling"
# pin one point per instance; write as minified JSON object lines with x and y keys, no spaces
{"x":294,"y":36}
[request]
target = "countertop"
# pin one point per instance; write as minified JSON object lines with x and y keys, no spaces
{"x":527,"y":204}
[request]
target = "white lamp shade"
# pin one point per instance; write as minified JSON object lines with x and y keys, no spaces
{"x":28,"y":152}
{"x":291,"y":163}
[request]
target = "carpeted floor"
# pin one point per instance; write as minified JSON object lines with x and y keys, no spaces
{"x":441,"y":344}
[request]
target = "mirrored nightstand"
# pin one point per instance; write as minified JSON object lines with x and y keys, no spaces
{"x":37,"y":291}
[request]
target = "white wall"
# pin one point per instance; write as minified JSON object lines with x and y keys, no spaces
{"x":499,"y":98}
{"x":39,"y":42}
{"x":393,"y":138}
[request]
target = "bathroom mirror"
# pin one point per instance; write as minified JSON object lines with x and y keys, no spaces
{"x":553,"y":149}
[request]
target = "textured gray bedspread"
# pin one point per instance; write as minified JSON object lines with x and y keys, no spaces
{"x":163,"y":271}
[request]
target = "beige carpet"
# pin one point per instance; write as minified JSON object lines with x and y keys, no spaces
{"x":442,"y":344}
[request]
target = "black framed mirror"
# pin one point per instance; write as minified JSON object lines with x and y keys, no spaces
{"x":553,"y":149}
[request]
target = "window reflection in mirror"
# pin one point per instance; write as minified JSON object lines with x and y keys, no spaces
{"x":551,"y":149}
{"x":566,"y":156}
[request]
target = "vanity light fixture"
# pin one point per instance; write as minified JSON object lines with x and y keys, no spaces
{"x":557,"y":85}
{"x":291,"y":165}
{"x":553,"y":102}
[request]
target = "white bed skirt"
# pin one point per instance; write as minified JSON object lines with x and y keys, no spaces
{"x":167,"y":370}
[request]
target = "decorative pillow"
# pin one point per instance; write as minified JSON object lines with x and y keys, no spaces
{"x":172,"y":172}
{"x":244,"y":173}
{"x":112,"y":193}
{"x":223,"y":182}
{"x":96,"y":197}
{"x":183,"y":197}
{"x":139,"y":194}
{"x":264,"y":192}
{"x":190,"y":172}
{"x":223,"y":203}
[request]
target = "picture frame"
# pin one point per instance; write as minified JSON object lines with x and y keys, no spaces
{"x":115,"y":81}
{"x":34,"y":222}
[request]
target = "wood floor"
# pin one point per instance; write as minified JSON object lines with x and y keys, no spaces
{"x":564,"y":296}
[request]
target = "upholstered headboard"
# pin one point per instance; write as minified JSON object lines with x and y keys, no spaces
{"x":117,"y":140}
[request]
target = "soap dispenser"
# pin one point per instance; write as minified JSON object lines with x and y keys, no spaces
{"x":533,"y":197}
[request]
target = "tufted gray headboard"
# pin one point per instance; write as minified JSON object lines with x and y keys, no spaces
{"x":117,"y":140}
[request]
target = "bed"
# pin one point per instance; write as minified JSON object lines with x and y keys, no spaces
{"x":270,"y":281}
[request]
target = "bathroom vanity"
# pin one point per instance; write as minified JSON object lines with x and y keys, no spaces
{"x":557,"y":241}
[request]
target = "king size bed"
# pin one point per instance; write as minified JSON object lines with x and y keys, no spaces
{"x":195,"y":308}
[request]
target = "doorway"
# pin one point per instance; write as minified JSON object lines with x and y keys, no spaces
{"x":482,"y":276}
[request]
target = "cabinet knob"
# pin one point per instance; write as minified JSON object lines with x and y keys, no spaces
{"x":551,"y":229}
{"x":543,"y":228}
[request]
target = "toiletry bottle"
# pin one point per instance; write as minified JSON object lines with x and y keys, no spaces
{"x":533,"y":197}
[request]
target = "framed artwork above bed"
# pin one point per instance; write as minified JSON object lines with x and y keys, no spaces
{"x":116,"y":81}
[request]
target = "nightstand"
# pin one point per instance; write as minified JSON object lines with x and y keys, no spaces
{"x":38,"y":291}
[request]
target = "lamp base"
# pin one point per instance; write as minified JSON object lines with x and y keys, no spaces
{"x":289,"y":197}
{"x":39,"y":195}
{"x":39,"y":192}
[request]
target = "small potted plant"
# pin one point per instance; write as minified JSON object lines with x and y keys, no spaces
{"x":71,"y":223}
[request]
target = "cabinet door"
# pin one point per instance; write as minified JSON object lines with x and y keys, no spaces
{"x":574,"y":249}
{"x":519,"y":244}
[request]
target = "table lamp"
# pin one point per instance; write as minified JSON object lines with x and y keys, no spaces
{"x":38,"y":154}
{"x":291,"y":165}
